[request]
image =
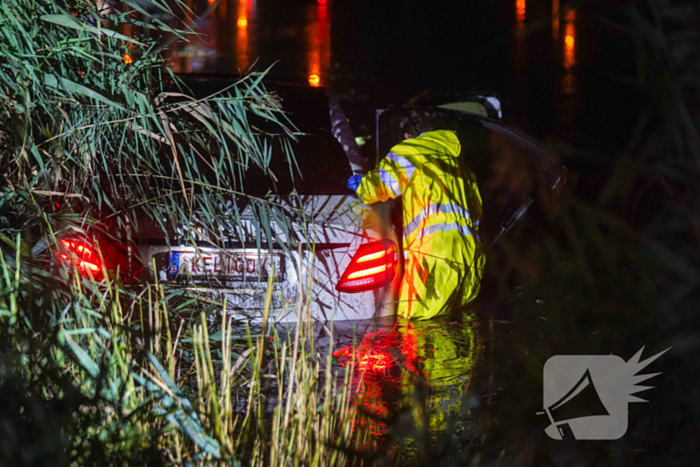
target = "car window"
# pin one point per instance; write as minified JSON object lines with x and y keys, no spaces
{"x":322,"y":168}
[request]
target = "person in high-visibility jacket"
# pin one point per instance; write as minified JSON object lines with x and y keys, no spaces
{"x":444,"y":260}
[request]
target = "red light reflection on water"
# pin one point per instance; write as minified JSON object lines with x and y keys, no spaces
{"x":378,"y":380}
{"x":241,"y":48}
{"x":520,"y":58}
{"x":570,"y":40}
{"x":568,"y":85}
{"x":374,"y":386}
{"x":520,"y":9}
{"x":388,"y":364}
{"x":314,"y":80}
{"x":318,"y":56}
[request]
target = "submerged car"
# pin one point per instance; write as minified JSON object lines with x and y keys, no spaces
{"x":330,"y":256}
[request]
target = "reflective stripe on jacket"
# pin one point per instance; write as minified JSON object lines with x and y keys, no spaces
{"x":439,"y":192}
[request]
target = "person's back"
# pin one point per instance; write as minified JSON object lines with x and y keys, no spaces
{"x":441,"y":212}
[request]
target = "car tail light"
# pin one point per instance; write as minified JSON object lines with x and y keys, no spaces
{"x":373,"y":266}
{"x":91,"y":263}
{"x":83,"y":255}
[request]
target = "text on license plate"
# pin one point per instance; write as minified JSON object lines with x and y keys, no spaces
{"x":230,"y":264}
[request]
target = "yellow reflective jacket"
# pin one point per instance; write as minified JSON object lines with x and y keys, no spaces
{"x":441,"y":212}
{"x":439,"y":192}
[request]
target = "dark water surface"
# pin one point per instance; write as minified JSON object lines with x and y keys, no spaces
{"x":563,"y":75}
{"x":550,"y":61}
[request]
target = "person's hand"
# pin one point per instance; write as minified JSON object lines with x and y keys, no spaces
{"x":354,"y":182}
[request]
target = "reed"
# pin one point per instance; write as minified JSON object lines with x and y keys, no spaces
{"x":229,"y":396}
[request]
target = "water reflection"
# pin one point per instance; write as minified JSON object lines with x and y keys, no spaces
{"x":318,"y":33}
{"x":568,"y":82}
{"x":555,"y":19}
{"x":570,"y":40}
{"x":520,"y":10}
{"x":390,"y":364}
{"x":240,"y":32}
{"x":222,"y":9}
{"x":126,"y":30}
{"x":520,"y":33}
{"x":241,"y":45}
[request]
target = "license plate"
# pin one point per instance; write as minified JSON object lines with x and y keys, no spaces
{"x":236,"y":265}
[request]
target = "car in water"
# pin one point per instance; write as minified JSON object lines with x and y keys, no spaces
{"x":346,"y":262}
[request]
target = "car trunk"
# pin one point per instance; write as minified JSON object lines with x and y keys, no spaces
{"x":302,"y":244}
{"x":310,"y":249}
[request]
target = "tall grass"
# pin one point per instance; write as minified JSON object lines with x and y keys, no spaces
{"x":90,"y":124}
{"x":95,"y":373}
{"x":176,"y":394}
{"x":288,"y":408}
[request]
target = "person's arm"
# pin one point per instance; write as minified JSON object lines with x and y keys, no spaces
{"x":387,"y":181}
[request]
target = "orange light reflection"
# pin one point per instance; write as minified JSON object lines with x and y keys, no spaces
{"x":520,"y":9}
{"x":568,"y":80}
{"x":569,"y":45}
{"x":569,"y":40}
{"x":319,"y":38}
{"x":126,"y":30}
{"x":242,"y":35}
{"x":555,"y":19}
{"x":570,"y":15}
{"x":314,"y":81}
{"x":520,"y":58}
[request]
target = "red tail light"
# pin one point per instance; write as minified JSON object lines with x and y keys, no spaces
{"x":91,"y":263}
{"x":373,"y":266}
{"x":83,"y":255}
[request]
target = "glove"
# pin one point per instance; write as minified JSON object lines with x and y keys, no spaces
{"x":354,"y":182}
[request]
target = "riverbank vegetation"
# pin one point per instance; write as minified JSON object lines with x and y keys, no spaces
{"x":95,"y":373}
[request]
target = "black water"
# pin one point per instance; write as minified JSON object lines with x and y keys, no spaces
{"x":564,"y":75}
{"x":552,"y":63}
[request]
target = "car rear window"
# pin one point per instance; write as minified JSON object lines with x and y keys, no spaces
{"x":322,"y":168}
